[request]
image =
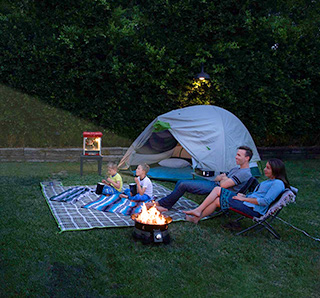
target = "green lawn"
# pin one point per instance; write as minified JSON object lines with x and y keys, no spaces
{"x":202,"y":260}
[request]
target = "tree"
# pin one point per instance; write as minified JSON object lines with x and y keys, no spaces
{"x":120,"y":62}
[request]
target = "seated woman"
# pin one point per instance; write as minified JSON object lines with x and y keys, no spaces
{"x":255,"y":204}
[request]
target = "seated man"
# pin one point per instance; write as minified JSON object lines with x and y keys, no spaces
{"x":233,"y":181}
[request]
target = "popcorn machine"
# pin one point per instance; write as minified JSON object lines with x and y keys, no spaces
{"x":92,"y":143}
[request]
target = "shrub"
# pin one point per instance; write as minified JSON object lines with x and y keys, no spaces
{"x":121,"y":62}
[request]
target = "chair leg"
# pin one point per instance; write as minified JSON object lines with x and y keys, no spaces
{"x":263,"y":225}
{"x":267,"y":225}
{"x":273,"y":216}
{"x":240,"y":218}
{"x":271,"y":230}
{"x":216,"y":214}
{"x":248,"y":229}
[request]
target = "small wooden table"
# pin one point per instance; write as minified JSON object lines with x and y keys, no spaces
{"x":98,"y":158}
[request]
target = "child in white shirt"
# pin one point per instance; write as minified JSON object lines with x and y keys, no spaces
{"x":144,"y":185}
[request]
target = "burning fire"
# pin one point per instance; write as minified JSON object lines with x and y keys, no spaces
{"x":150,"y":216}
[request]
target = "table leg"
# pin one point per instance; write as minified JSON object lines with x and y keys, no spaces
{"x":81,"y":166}
{"x":99,"y":166}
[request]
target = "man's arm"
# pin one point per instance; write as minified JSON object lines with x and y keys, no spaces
{"x":221,"y":177}
{"x":226,"y":183}
{"x":235,"y":177}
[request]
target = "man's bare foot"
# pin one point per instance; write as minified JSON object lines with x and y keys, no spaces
{"x":149,"y":204}
{"x":193,"y":219}
{"x":193,"y":212}
{"x":123,"y":196}
{"x":161,"y":209}
{"x":156,"y":204}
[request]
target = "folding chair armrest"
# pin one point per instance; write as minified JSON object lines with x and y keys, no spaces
{"x":294,"y":190}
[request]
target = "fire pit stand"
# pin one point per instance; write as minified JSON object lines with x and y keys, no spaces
{"x":149,"y":233}
{"x":156,"y":236}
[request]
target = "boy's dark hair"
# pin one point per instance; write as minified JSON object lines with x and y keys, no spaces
{"x":248,"y":151}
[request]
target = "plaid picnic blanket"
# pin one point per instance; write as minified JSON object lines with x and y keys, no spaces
{"x":70,"y":215}
{"x":71,"y":195}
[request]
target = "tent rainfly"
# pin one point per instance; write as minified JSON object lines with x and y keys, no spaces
{"x":207,"y":134}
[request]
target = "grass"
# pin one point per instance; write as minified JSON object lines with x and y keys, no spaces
{"x":202,"y":260}
{"x":26,"y":121}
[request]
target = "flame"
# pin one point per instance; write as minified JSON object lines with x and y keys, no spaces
{"x":151,"y":216}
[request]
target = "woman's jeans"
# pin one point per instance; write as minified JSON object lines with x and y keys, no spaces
{"x":199,"y":187}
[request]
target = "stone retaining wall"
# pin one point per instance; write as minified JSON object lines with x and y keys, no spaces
{"x":289,"y":153}
{"x":116,"y":153}
{"x":56,"y":155}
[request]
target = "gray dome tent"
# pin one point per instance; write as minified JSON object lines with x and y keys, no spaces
{"x":208,"y":134}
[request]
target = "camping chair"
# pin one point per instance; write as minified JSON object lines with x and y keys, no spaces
{"x":286,"y":197}
{"x":250,"y":185}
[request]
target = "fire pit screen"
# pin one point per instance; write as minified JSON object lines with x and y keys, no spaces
{"x":151,"y":226}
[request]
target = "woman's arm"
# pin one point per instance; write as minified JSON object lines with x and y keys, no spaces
{"x":246,"y":199}
{"x":276,"y":188}
{"x":270,"y":195}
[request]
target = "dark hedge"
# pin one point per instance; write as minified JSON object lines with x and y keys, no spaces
{"x":122,"y":63}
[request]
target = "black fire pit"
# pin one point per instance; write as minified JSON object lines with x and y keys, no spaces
{"x":150,"y":233}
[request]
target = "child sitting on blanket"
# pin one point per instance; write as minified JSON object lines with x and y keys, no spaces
{"x":114,"y":180}
{"x":144,"y":185}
